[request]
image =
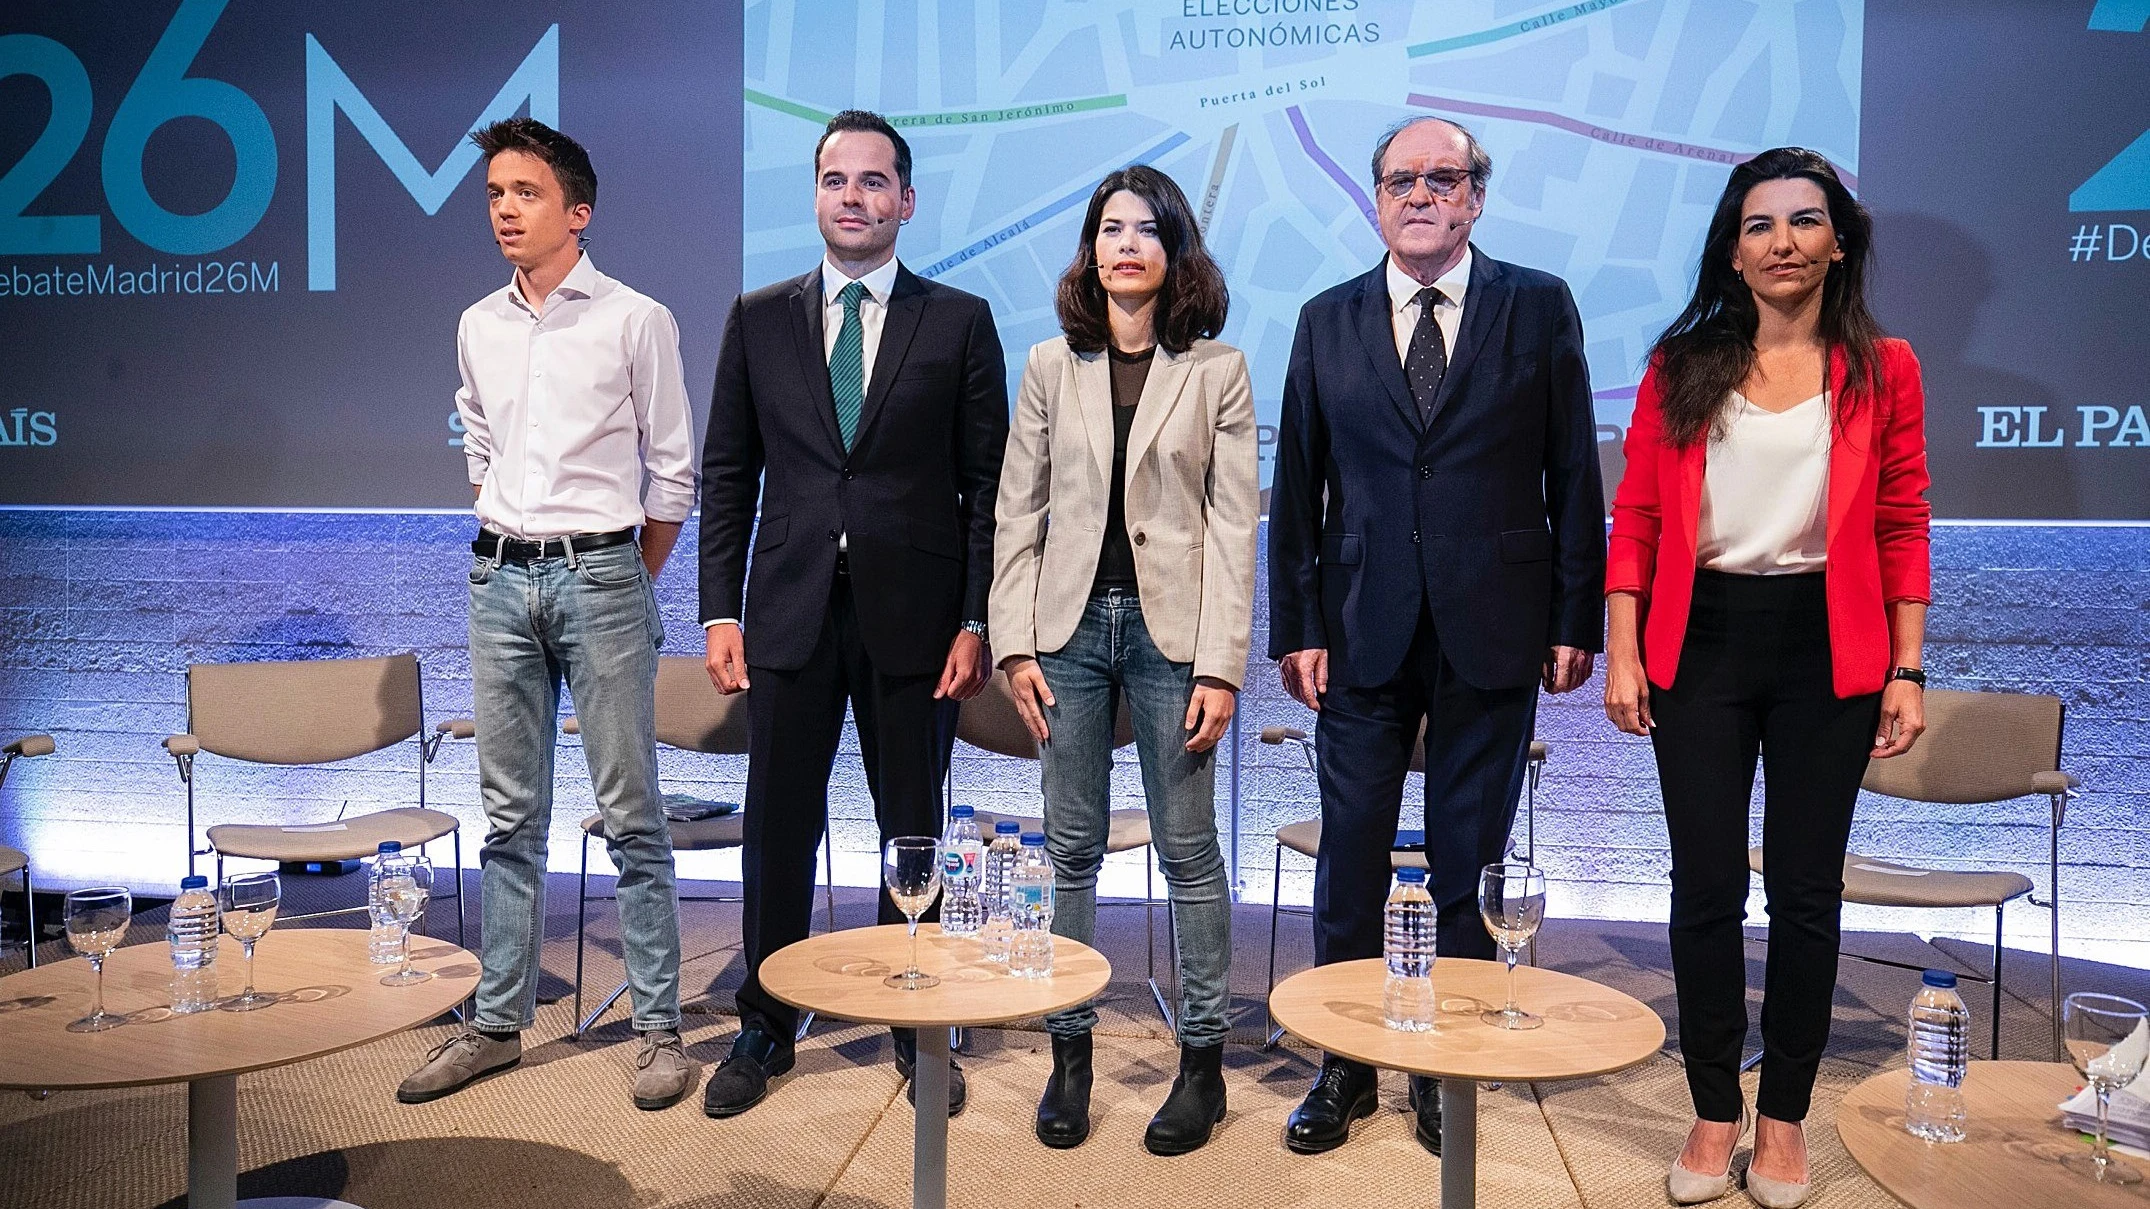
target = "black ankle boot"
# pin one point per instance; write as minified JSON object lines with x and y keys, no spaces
{"x":1195,"y":1105}
{"x":1064,"y":1110}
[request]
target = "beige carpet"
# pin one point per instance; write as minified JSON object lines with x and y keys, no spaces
{"x":836,"y":1134}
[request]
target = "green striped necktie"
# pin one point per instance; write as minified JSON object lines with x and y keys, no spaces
{"x":847,"y":365}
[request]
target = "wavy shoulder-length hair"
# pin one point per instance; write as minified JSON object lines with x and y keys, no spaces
{"x":1193,"y":302}
{"x":1709,"y":349}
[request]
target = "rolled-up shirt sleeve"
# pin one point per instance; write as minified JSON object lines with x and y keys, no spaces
{"x":477,"y":430}
{"x":664,"y":419}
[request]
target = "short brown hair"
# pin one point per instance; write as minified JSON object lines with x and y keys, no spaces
{"x":570,"y":163}
{"x":1194,"y":300}
{"x":869,"y":122}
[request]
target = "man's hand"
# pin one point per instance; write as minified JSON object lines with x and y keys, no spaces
{"x":1306,"y":676}
{"x":1026,"y":682}
{"x":727,"y":659}
{"x":1565,"y":669}
{"x":1209,"y":711}
{"x":655,"y":543}
{"x":966,"y":671}
{"x":1903,"y":719}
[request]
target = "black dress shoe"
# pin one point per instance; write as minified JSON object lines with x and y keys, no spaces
{"x":1426,"y":1103}
{"x":743,"y":1080}
{"x":907,"y":1062}
{"x":1195,"y":1105}
{"x":1064,"y":1109}
{"x":1344,"y":1092}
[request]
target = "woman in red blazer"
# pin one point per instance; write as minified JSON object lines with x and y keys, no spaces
{"x":1767,"y":588}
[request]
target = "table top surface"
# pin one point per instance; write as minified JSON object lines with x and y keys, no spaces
{"x":839,"y":974}
{"x":1589,"y":1029}
{"x":2010,"y":1154}
{"x":331,"y":999}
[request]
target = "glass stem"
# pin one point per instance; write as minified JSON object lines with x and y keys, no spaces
{"x":406,"y":967}
{"x":97,"y":1004}
{"x":1511,"y":954}
{"x":913,"y":971}
{"x":248,"y":993}
{"x":2100,"y":1150}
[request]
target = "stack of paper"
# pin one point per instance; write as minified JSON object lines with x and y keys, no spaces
{"x":2128,"y":1111}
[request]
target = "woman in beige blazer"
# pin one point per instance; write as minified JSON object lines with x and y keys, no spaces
{"x":1123,"y":564}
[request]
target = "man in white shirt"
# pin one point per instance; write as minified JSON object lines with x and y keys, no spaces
{"x":580,"y":446}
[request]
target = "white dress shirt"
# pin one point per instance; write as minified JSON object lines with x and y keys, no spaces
{"x":575,"y":419}
{"x":1447,"y":311}
{"x":1765,"y":491}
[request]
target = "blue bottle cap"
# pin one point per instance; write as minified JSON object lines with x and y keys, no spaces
{"x":1007,"y":827}
{"x":390,"y":846}
{"x":1411,"y":875}
{"x":1939,"y":978}
{"x":1033,"y":839}
{"x":961,"y":812}
{"x":194,"y":882}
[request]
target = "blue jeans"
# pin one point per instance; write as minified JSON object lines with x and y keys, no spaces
{"x":594,"y":623}
{"x":1110,"y":654}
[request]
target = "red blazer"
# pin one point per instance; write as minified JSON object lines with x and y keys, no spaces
{"x":1878,"y":550}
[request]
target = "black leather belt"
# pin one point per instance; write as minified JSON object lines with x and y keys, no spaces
{"x":516,"y":550}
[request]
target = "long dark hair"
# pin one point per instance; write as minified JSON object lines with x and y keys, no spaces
{"x":1709,"y":350}
{"x":1193,"y":302}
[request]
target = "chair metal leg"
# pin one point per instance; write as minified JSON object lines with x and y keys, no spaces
{"x":1997,"y":933}
{"x":462,"y":938}
{"x":1149,"y":929}
{"x":583,"y":1025}
{"x":1276,"y":890}
{"x":29,"y":912}
{"x":2053,"y":893}
{"x":828,"y":855}
{"x":582,"y":903}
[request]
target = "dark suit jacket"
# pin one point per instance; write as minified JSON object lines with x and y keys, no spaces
{"x":1491,"y":516}
{"x":915,"y":493}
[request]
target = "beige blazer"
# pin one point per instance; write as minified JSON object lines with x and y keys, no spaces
{"x":1192,"y":503}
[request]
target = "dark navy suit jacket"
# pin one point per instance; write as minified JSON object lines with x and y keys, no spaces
{"x":1491,"y":517}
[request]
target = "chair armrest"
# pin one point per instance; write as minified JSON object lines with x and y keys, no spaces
{"x":30,"y":745}
{"x":571,"y":726}
{"x":183,"y":745}
{"x":1539,"y":749}
{"x":2053,"y":782}
{"x":457,"y":728}
{"x":1274,"y":735}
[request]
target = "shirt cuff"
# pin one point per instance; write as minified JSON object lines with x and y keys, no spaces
{"x":667,"y":503}
{"x":721,"y":621}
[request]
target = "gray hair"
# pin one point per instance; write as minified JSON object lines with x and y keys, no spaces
{"x":1480,"y":164}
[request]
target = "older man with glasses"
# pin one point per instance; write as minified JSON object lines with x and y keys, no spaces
{"x":1436,"y":554}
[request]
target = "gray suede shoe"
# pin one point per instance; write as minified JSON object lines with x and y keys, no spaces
{"x":457,"y":1062}
{"x":663,"y":1075}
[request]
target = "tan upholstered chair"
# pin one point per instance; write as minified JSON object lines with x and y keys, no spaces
{"x":691,"y":716}
{"x":1978,"y":748}
{"x":315,"y":711}
{"x":989,"y":722}
{"x":1304,"y":837}
{"x":12,"y":860}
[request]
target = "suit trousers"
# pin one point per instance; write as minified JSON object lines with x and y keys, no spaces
{"x":1477,"y":747}
{"x":1754,"y":676}
{"x":797,"y":719}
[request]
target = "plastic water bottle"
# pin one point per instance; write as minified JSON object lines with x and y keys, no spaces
{"x":996,"y":926}
{"x":384,"y":943}
{"x":1940,"y":1048}
{"x":1030,"y":896}
{"x":192,"y":929}
{"x":1407,"y":942}
{"x":961,"y":854}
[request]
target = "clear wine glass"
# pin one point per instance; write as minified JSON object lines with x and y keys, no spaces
{"x":911,"y":865}
{"x":97,"y":921}
{"x":250,"y":902}
{"x":404,"y":893}
{"x":1511,"y":900}
{"x":2107,"y":1039}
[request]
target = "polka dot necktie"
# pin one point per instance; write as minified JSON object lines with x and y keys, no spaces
{"x":1427,"y":361}
{"x":847,"y":364}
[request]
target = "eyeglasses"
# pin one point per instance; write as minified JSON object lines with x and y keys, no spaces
{"x":1442,"y":181}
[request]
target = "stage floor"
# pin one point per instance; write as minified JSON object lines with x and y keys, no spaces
{"x":836,"y":1133}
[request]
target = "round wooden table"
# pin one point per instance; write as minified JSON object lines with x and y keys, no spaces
{"x":839,"y":974}
{"x":2009,"y":1157}
{"x":1589,"y":1029}
{"x":332,"y":999}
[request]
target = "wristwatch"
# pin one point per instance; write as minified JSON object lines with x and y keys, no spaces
{"x":975,"y":628}
{"x":1914,"y":675}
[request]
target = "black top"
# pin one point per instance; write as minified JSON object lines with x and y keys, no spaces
{"x":1116,"y":559}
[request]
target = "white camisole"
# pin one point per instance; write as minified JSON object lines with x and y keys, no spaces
{"x":1765,"y":491}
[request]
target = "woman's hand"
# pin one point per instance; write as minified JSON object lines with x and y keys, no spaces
{"x":1903,"y":719}
{"x":1209,"y":711}
{"x":1627,"y":694}
{"x":1026,"y":683}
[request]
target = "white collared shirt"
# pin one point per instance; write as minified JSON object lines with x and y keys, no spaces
{"x":873,"y":309}
{"x":575,"y":418}
{"x":1448,"y":312}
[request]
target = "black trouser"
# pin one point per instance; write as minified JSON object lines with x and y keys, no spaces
{"x":797,"y":718}
{"x":1755,"y":674}
{"x":1477,"y":746}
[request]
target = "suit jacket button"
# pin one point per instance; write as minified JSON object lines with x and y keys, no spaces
{"x":832,"y":535}
{"x":1139,"y":538}
{"x":1425,"y":472}
{"x":849,"y":474}
{"x":1414,"y":537}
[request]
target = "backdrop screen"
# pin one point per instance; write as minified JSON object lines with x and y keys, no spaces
{"x":233,"y":244}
